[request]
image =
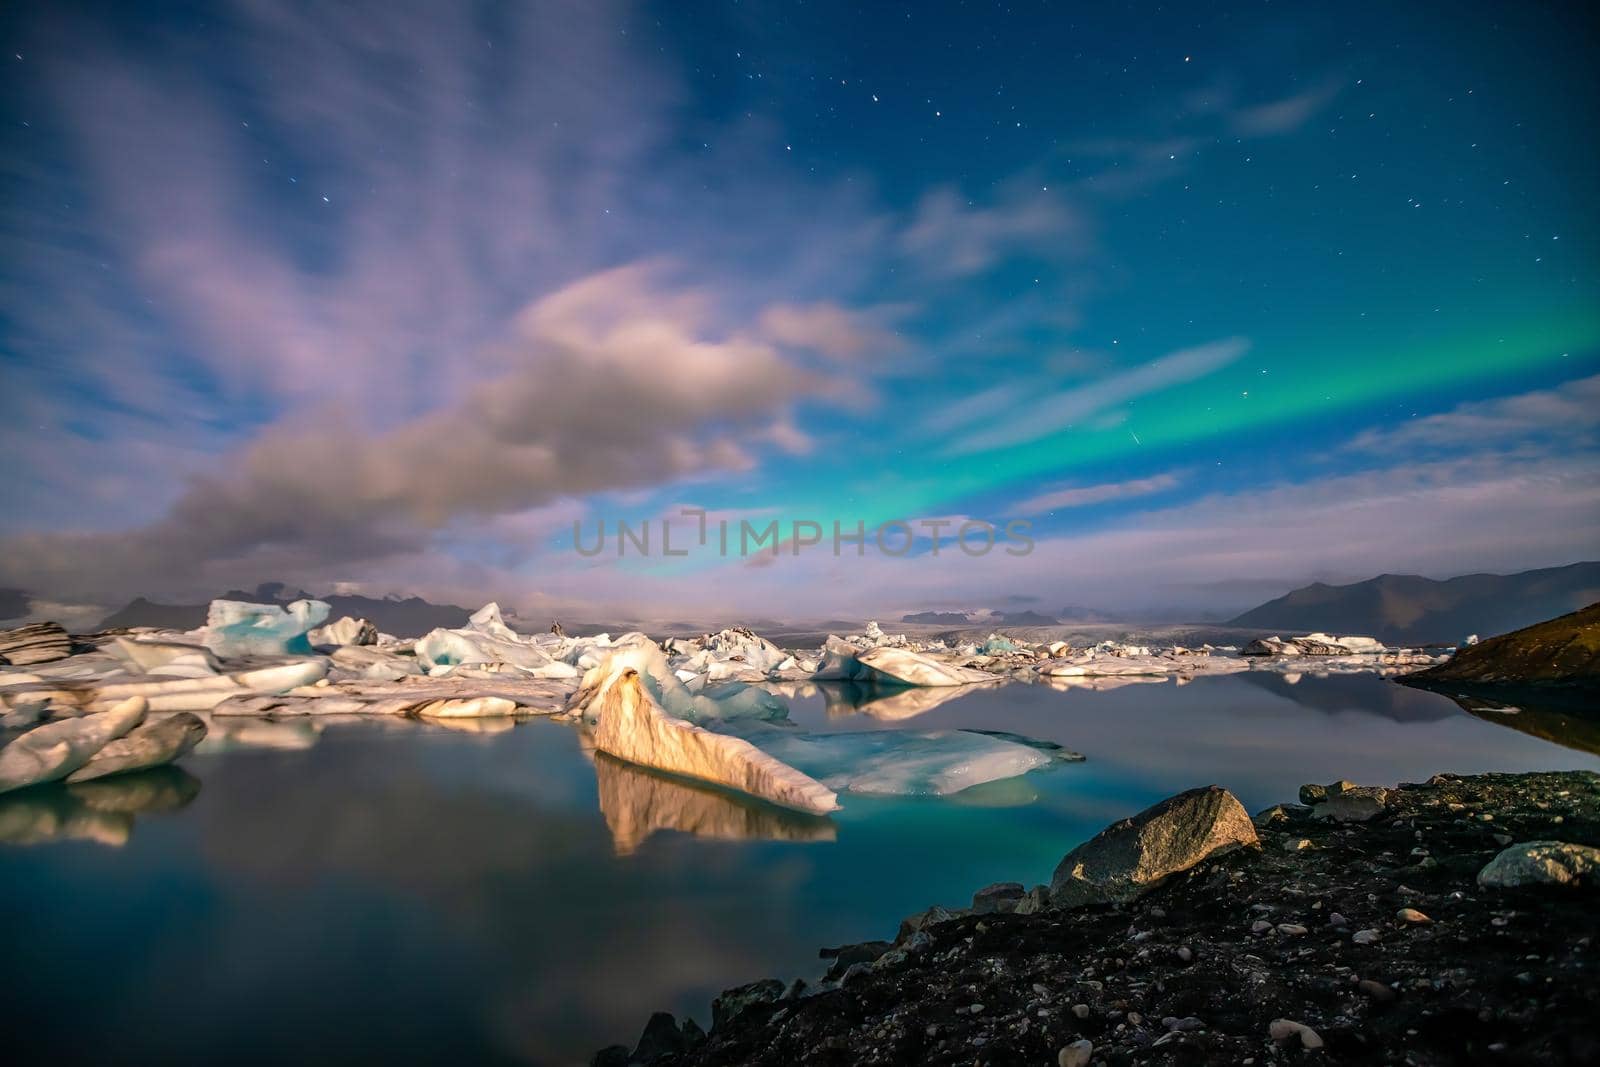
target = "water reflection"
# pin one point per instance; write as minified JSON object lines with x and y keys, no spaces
{"x":636,"y":803}
{"x":1564,"y":726}
{"x":101,"y":811}
{"x":844,"y":699}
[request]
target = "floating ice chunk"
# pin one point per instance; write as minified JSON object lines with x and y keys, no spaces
{"x":903,"y":667}
{"x":487,"y":620}
{"x":899,"y":762}
{"x":237,"y":628}
{"x":486,"y":639}
{"x":996,"y":644}
{"x":891,"y":666}
{"x":1318,"y":644}
{"x":149,"y":745}
{"x":54,"y":751}
{"x":633,"y":727}
{"x":347,"y":631}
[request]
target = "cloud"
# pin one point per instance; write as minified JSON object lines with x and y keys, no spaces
{"x":1084,"y":496}
{"x":951,"y":236}
{"x":829,"y":329}
{"x":616,"y":381}
{"x":1057,"y":411}
{"x":1284,"y":115}
{"x":1567,"y":411}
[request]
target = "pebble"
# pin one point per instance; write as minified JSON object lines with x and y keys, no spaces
{"x":1375,"y":990}
{"x":1260,"y":926}
{"x":1081,"y":1010}
{"x":1411,"y":915}
{"x":1291,"y":929}
{"x":1336,"y":919}
{"x":1285,"y":1029}
{"x":1185,"y":953}
{"x":1366,"y":937}
{"x":1135,"y":1018}
{"x":1076,"y":1054}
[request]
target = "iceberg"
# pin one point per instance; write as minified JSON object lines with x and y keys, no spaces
{"x":237,"y":628}
{"x":347,"y":631}
{"x":149,"y":745}
{"x":485,"y":640}
{"x":633,"y":727}
{"x":890,"y":665}
{"x":1318,"y":644}
{"x":55,"y":750}
{"x":905,"y":763}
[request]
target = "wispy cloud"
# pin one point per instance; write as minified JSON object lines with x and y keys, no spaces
{"x":1058,"y":411}
{"x":1086,"y":495}
{"x":1567,"y":411}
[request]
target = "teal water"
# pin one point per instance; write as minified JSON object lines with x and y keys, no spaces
{"x":413,"y":893}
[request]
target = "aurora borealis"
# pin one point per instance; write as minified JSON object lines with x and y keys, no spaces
{"x":1221,"y":300}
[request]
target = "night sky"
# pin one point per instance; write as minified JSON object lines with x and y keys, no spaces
{"x":387,"y":296}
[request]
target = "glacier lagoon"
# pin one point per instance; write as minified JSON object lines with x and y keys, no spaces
{"x":339,"y":891}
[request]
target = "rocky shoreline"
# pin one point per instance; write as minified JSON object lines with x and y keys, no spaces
{"x":1444,"y":922}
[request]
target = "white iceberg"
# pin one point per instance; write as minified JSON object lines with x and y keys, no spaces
{"x":237,"y":628}
{"x":347,"y":631}
{"x":151,"y":744}
{"x":486,"y":639}
{"x":632,"y":726}
{"x":890,"y":665}
{"x":55,"y":750}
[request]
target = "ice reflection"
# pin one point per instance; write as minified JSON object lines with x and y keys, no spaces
{"x":844,"y":699}
{"x":636,"y":803}
{"x":101,"y":811}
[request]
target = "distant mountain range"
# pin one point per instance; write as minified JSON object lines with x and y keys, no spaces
{"x":1410,"y":609}
{"x":411,"y":617}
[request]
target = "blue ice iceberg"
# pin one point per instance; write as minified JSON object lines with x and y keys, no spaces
{"x":902,"y":762}
{"x":237,"y":628}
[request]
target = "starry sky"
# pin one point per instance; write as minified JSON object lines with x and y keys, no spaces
{"x":387,"y":297}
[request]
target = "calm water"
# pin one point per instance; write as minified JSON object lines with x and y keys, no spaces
{"x":419,"y":893}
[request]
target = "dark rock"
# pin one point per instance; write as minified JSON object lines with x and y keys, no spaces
{"x":1348,"y":802}
{"x":1280,"y":815}
{"x":845,"y":955}
{"x":735,"y":1001}
{"x":923,"y":919}
{"x":661,"y":1037}
{"x":1132,"y":856}
{"x":999,"y":897}
{"x":610,"y":1056}
{"x":1311,"y":793}
{"x":1543,"y":863}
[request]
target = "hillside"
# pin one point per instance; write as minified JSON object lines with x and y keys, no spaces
{"x":1410,"y":609}
{"x":1563,"y":651}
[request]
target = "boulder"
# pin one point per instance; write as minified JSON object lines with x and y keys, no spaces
{"x":150,"y":745}
{"x":1347,"y":802}
{"x":40,"y":643}
{"x":1133,"y":856}
{"x":1002,"y":896}
{"x":733,"y":1002}
{"x":1543,"y":863}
